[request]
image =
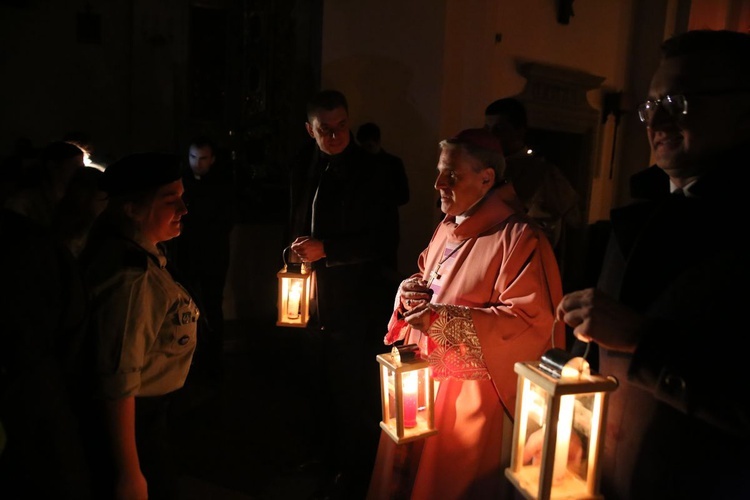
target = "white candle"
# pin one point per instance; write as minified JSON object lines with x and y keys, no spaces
{"x":564,"y":426}
{"x":292,"y":307}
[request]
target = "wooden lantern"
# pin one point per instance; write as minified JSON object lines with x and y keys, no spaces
{"x":559,"y":428}
{"x":295,"y":293}
{"x":407,"y":394}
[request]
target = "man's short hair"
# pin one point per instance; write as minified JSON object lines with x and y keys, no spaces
{"x":368,"y":132}
{"x":732,"y":46}
{"x":722,"y":41}
{"x":203,"y":141}
{"x":327,"y":100}
{"x":511,"y":108}
{"x":482,"y":145}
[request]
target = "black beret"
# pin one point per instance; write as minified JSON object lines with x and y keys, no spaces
{"x":139,"y":172}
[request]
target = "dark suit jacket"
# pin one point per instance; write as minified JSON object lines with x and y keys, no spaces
{"x":348,"y":216}
{"x":649,"y":184}
{"x":203,"y":247}
{"x":396,"y":189}
{"x":678,"y":425}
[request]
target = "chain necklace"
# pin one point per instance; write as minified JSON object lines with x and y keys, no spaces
{"x":434,"y":274}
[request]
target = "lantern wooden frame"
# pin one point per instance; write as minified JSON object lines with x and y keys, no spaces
{"x":295,"y":295}
{"x":407,"y":395}
{"x":559,"y":398}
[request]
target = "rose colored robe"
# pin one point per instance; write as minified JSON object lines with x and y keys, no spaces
{"x":507,"y":275}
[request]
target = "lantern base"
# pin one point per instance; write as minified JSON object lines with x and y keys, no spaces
{"x":420,"y":431}
{"x":293,"y":325}
{"x":570,"y":487}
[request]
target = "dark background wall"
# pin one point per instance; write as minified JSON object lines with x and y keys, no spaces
{"x":133,"y":75}
{"x":139,"y":74}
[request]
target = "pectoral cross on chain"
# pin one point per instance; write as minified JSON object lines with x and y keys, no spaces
{"x":434,"y":275}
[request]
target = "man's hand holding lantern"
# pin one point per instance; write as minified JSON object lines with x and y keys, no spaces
{"x":308,"y":249}
{"x":595,"y":316}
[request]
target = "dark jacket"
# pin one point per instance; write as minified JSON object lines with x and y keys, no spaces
{"x":203,"y":247}
{"x":678,"y":425}
{"x":348,"y":217}
{"x":649,"y":184}
{"x":43,"y":310}
{"x":396,"y":190}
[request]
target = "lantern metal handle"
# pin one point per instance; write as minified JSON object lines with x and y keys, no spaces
{"x":303,"y":266}
{"x":405,"y":353}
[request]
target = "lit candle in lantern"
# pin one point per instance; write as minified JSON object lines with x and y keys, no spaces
{"x":410,"y":384}
{"x":564,"y":426}
{"x":559,"y":425}
{"x":292,"y":307}
{"x":404,"y":376}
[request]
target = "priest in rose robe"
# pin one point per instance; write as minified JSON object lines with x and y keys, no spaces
{"x":484,"y":298}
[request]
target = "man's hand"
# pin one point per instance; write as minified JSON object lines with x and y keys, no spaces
{"x":420,"y":317}
{"x":596,"y":316}
{"x":413,"y":292}
{"x":308,"y":249}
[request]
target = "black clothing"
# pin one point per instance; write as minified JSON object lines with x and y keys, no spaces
{"x":396,"y":190}
{"x":339,"y":201}
{"x":649,"y":184}
{"x":43,"y":309}
{"x":673,"y":259}
{"x":200,"y":256}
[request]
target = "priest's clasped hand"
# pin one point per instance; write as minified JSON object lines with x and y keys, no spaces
{"x":413,"y":292}
{"x":422,"y":316}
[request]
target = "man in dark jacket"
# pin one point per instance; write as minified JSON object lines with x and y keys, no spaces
{"x":338,"y":224}
{"x":673,"y":279}
{"x":391,"y":168}
{"x":201,"y":253}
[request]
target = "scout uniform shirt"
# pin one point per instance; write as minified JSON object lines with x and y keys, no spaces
{"x":144,"y":321}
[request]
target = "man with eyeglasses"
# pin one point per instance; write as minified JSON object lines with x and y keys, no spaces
{"x":666,"y":314}
{"x":338,"y":225}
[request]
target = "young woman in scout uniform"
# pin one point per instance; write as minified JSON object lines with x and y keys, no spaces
{"x":143,"y":322}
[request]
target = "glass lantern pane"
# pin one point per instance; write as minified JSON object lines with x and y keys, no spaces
{"x":570,"y":468}
{"x":294,"y":298}
{"x":537,"y":407}
{"x":390,"y":397}
{"x":583,"y":416}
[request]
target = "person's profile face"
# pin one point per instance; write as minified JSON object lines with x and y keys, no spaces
{"x":330,"y":129}
{"x":160,"y":218}
{"x":201,"y":159}
{"x":715,"y":118}
{"x":462,"y":180}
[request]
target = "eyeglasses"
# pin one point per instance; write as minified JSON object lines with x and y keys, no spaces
{"x":675,"y":105}
{"x":330,"y":131}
